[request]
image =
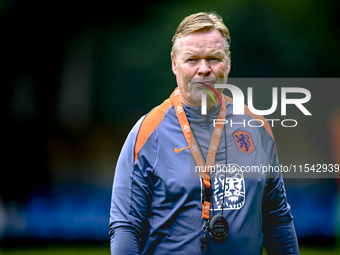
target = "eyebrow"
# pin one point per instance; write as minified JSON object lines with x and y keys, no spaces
{"x":213,"y":54}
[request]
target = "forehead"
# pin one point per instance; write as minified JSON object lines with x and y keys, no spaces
{"x":201,"y":42}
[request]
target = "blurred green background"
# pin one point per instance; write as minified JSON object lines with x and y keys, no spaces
{"x":77,"y":75}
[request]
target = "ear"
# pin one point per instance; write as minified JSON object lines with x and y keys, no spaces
{"x":173,"y":64}
{"x":229,"y":63}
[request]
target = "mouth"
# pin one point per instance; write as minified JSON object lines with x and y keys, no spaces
{"x":203,"y":85}
{"x":233,"y":198}
{"x":207,"y":81}
{"x":210,"y":82}
{"x":207,"y":84}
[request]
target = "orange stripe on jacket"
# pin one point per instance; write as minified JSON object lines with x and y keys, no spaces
{"x":248,"y":112}
{"x":150,"y":123}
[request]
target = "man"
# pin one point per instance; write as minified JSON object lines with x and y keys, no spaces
{"x":164,"y":200}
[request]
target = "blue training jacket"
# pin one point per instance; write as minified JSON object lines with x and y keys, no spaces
{"x":156,"y":198}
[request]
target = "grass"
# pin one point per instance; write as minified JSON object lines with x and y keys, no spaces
{"x":316,"y":250}
{"x":59,"y":250}
{"x":105,"y":250}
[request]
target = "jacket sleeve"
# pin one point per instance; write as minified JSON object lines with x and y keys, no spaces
{"x":278,"y":228}
{"x":131,"y":196}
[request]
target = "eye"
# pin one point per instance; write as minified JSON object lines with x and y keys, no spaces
{"x":238,"y":186}
{"x":214,"y":59}
{"x":191,"y":60}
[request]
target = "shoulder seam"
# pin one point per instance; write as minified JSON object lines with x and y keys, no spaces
{"x":149,"y":124}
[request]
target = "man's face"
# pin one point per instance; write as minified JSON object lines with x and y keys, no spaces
{"x":201,"y":57}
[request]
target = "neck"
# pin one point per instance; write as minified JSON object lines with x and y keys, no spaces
{"x":188,"y":102}
{"x":192,"y":103}
{"x":210,"y":103}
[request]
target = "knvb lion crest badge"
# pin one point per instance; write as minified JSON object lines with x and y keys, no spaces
{"x":228,"y":188}
{"x":244,"y":141}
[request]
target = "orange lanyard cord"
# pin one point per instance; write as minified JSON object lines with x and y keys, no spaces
{"x":213,"y":146}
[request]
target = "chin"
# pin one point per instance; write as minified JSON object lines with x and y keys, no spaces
{"x":196,"y":95}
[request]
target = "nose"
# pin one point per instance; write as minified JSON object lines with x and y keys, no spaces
{"x":204,"y":68}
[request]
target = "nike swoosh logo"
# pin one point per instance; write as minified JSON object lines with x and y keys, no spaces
{"x":179,"y":150}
